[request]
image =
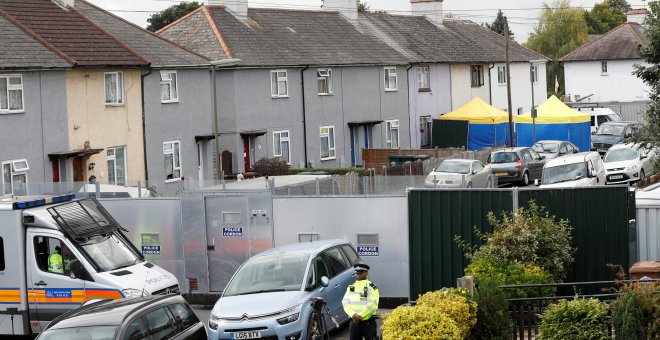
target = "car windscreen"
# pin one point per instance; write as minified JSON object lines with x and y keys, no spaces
{"x":564,"y":173}
{"x":613,"y":117}
{"x":110,"y":252}
{"x":546,"y":147}
{"x":269,"y":273}
{"x":455,"y":167}
{"x":503,"y":157}
{"x":611,"y":129}
{"x":618,"y":155}
{"x":80,"y":333}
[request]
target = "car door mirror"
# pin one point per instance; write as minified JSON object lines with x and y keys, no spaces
{"x":324,"y":281}
{"x":593,"y":133}
{"x":541,"y":157}
{"x":642,"y":156}
{"x":78,"y":271}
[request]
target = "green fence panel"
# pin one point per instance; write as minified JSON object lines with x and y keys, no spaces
{"x":603,"y":224}
{"x":435,"y":217}
{"x":450,"y":133}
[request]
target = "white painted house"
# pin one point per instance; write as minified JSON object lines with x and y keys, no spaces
{"x":601,"y":70}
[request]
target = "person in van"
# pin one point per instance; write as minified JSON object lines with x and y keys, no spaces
{"x":55,"y":261}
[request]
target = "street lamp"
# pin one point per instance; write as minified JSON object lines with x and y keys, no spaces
{"x":218,"y":64}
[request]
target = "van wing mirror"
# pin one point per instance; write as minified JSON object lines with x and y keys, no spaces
{"x":325,"y":281}
{"x":78,"y":271}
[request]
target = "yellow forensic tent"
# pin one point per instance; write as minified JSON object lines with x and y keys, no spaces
{"x":487,"y":126}
{"x":554,"y":120}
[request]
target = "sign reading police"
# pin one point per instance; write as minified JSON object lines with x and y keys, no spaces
{"x":58,"y":293}
{"x":154,"y":250}
{"x":232,"y":231}
{"x":367,"y":250}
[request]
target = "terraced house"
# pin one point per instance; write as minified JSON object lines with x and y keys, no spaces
{"x":74,"y":84}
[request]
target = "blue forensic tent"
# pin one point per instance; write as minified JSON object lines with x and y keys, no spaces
{"x":487,"y":126}
{"x":556,"y":121}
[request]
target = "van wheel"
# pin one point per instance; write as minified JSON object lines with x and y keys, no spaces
{"x":525,"y":179}
{"x":642,"y":174}
{"x":314,"y":331}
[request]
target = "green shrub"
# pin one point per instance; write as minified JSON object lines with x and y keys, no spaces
{"x":455,"y":303}
{"x":419,"y":323}
{"x":627,"y":317}
{"x":493,"y":321}
{"x":270,"y":167}
{"x":511,"y":273}
{"x":575,"y":319}
{"x":528,"y":236}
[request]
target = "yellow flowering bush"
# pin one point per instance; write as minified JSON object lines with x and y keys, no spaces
{"x":455,"y":303}
{"x":419,"y":323}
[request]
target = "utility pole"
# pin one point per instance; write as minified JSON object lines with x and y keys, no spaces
{"x":532,"y":76}
{"x":508,"y":82}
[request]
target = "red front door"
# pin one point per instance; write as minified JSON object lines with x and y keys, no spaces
{"x":246,"y":152}
{"x":56,"y":169}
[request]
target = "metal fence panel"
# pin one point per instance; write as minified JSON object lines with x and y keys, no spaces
{"x":648,"y":233}
{"x":435,"y":217}
{"x":601,"y":219}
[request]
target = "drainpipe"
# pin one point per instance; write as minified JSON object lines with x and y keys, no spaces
{"x":304,"y":112}
{"x":414,"y":113}
{"x":144,"y":130}
{"x":490,"y":84}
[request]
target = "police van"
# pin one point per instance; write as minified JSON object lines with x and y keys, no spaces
{"x":56,"y":253}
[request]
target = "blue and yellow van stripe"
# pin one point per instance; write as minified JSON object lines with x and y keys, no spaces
{"x":58,"y":295}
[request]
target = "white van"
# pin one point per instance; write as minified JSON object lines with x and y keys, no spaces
{"x":600,"y":115}
{"x":575,"y":170}
{"x":94,"y":261}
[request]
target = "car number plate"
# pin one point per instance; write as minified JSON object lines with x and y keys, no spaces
{"x":616,"y":177}
{"x":602,"y":150}
{"x":246,"y":335}
{"x":501,"y":174}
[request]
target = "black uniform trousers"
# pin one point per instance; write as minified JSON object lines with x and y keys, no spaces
{"x":364,"y":329}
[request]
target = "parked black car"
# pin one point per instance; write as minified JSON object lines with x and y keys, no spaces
{"x":148,"y":317}
{"x":520,"y":164}
{"x":611,"y":133}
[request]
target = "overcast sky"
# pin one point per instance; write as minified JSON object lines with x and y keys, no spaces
{"x":522,"y":14}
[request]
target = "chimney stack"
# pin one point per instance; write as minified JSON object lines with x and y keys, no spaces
{"x":238,"y":8}
{"x":637,"y":15}
{"x":431,"y":9}
{"x":347,"y":8}
{"x":65,"y":3}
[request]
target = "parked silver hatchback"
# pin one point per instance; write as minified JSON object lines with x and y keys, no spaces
{"x":269,"y":295}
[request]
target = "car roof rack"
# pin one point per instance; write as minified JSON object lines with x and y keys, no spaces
{"x":83,"y":219}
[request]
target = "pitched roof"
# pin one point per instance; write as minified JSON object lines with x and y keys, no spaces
{"x":156,"y":49}
{"x":279,"y":37}
{"x":19,"y":50}
{"x":457,"y":41}
{"x":618,"y":44}
{"x":67,"y":33}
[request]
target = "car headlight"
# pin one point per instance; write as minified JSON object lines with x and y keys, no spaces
{"x":131,"y":293}
{"x":632,"y":167}
{"x":213,"y":321}
{"x":293,"y":315}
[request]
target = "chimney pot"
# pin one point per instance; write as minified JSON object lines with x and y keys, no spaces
{"x":431,"y":9}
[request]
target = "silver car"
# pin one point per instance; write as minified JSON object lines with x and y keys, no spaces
{"x":460,"y":173}
{"x":554,"y":148}
{"x":626,"y":163}
{"x":268,"y":296}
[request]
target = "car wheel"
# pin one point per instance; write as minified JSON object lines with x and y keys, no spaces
{"x":642,"y":174}
{"x":525,"y":179}
{"x":314,"y":331}
{"x":469,"y":185}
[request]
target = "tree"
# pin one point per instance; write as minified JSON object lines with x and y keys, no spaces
{"x":499,"y":24}
{"x":363,"y":6}
{"x":560,"y":30}
{"x":650,"y":73}
{"x":169,"y":15}
{"x":606,"y":15}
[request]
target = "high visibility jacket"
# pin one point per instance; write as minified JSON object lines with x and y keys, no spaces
{"x":55,"y":263}
{"x":361,"y":298}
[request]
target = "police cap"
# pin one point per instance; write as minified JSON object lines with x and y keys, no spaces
{"x":361,"y":267}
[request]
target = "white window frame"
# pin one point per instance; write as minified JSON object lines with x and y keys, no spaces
{"x":113,"y":158}
{"x":277,"y":77}
{"x":119,"y":88}
{"x":279,"y":145}
{"x":603,"y":67}
{"x":328,"y":132}
{"x":324,"y":75}
{"x":392,"y":126}
{"x":11,"y":88}
{"x":390,"y":78}
{"x":16,"y":169}
{"x":175,"y":168}
{"x":476,"y":75}
{"x":501,"y":75}
{"x":423,"y":78}
{"x":535,"y":74}
{"x":170,"y":81}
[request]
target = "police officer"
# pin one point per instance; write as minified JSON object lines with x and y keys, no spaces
{"x":361,"y":303}
{"x":55,"y":262}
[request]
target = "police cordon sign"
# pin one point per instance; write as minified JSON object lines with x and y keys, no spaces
{"x":367,"y":250}
{"x":152,"y":250}
{"x":232,"y":231}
